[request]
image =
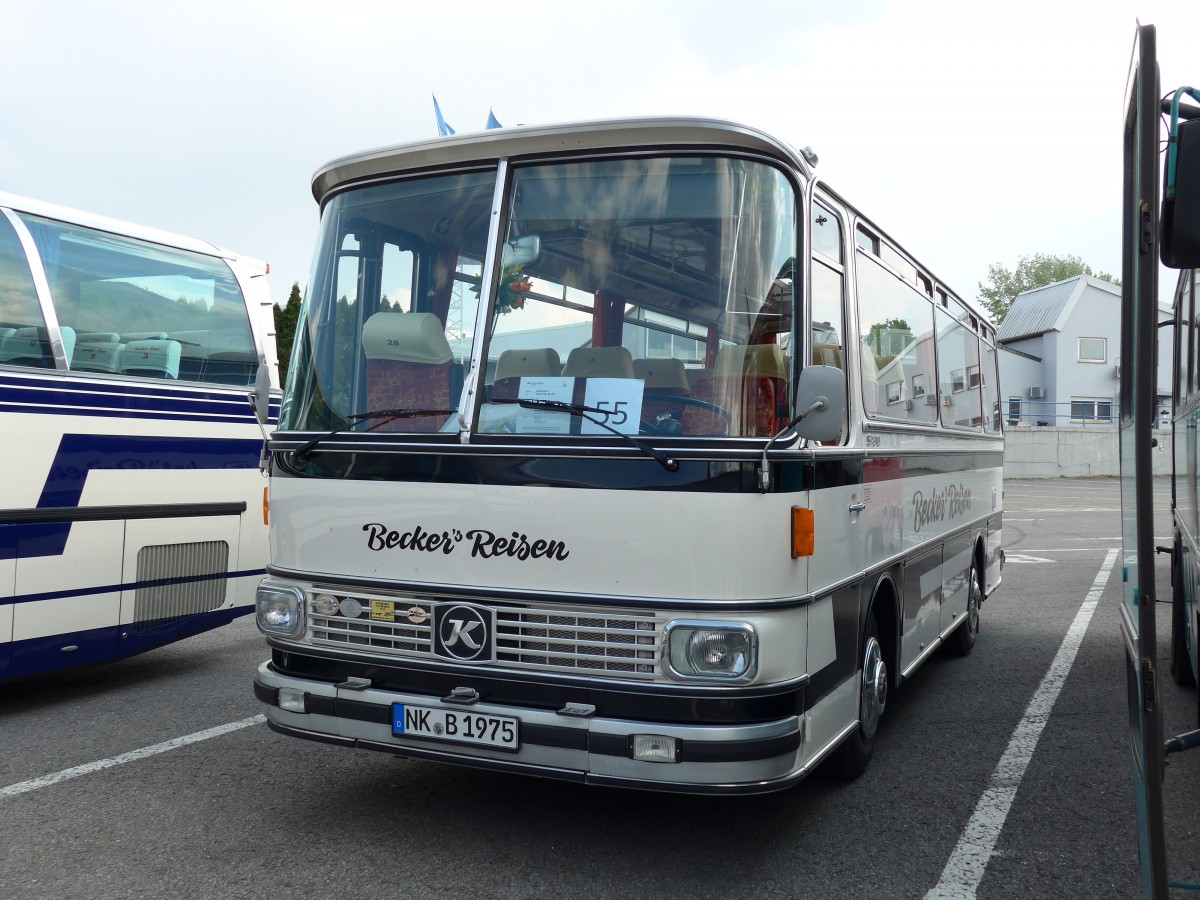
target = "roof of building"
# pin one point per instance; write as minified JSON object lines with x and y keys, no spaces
{"x":1047,"y":308}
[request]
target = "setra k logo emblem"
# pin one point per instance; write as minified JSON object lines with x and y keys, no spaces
{"x":462,"y":633}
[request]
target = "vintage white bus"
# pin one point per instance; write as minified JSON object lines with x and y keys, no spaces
{"x":131,"y":508}
{"x":625,"y":453}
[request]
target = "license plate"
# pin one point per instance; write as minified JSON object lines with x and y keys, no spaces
{"x":459,"y":726}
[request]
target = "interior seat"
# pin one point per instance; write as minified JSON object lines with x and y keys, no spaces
{"x":408,"y":367}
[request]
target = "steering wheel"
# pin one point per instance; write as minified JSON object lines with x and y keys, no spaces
{"x":683,"y":400}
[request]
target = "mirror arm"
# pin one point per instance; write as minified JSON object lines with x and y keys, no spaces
{"x":764,"y":473}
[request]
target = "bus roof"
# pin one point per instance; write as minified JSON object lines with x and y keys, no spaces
{"x":116,"y":226}
{"x":536,"y":140}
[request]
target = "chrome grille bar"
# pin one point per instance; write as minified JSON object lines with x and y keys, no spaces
{"x":529,"y":637}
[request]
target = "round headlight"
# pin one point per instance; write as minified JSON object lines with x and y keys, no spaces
{"x":325,"y":605}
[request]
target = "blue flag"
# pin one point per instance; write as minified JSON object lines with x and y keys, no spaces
{"x":492,"y":122}
{"x":443,"y":128}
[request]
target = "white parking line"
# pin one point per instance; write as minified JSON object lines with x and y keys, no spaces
{"x":23,"y":787}
{"x":964,"y":870}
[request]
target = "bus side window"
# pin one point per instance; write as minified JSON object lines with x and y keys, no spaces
{"x":23,"y":338}
{"x":828,"y":322}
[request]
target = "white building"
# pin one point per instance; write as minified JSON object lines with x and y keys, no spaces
{"x":1060,"y":358}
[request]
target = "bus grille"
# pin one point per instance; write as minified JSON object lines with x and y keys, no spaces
{"x":161,"y":597}
{"x":585,"y":642}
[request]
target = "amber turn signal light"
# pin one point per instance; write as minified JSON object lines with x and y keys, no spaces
{"x":802,"y":532}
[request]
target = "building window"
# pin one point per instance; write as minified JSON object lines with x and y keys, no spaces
{"x":1091,"y":409}
{"x":1093,"y":350}
{"x":1014,"y":410}
{"x":957,"y":382}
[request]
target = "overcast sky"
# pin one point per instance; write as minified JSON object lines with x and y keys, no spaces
{"x":974,"y":133}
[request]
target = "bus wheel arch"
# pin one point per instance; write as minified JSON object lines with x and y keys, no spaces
{"x":960,"y":641}
{"x":874,"y":678}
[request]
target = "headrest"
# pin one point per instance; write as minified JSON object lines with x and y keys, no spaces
{"x":661,"y":373}
{"x":537,"y":361}
{"x":68,"y":340}
{"x":97,"y":337}
{"x":98,"y":356}
{"x":143,"y":336}
{"x":23,"y":343}
{"x":827,"y":355}
{"x":152,"y":356}
{"x":753,"y":360}
{"x":406,"y":337}
{"x":599,"y":362}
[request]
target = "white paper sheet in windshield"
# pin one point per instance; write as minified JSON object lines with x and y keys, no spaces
{"x":544,"y":421}
{"x":621,"y":397}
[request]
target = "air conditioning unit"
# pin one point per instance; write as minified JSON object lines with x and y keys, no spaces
{"x":1037,"y":393}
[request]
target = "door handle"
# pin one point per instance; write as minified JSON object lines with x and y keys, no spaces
{"x":857,"y":507}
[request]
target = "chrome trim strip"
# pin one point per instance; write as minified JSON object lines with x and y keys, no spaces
{"x":465,"y":593}
{"x":924,"y":655}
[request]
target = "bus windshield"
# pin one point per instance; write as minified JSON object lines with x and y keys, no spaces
{"x":654,"y":291}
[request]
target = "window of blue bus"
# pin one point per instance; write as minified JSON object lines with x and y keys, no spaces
{"x":391,"y":307}
{"x":700,"y":250}
{"x":23,"y":338}
{"x":899,"y":378}
{"x":143,"y":309}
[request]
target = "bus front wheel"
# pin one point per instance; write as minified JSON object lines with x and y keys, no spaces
{"x":853,"y":755}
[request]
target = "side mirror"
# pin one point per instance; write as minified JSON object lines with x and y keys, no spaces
{"x":1179,"y":243}
{"x":261,"y":398}
{"x":821,"y":399}
{"x":521,"y":251}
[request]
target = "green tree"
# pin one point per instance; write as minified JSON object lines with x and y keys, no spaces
{"x":285,"y":329}
{"x":1031,"y":272}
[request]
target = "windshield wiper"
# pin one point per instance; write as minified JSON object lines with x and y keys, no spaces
{"x":578,"y":409}
{"x":304,"y":451}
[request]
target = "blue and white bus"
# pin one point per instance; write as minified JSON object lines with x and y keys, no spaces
{"x":131,"y":502}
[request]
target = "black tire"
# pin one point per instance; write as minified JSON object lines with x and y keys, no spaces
{"x":962,"y":639}
{"x":853,"y":755}
{"x":1181,"y":666}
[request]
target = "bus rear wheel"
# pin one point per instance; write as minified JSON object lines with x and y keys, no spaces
{"x":854,"y":753}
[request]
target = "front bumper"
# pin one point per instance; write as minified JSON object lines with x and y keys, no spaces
{"x":555,"y":741}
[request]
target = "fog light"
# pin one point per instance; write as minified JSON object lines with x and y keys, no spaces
{"x":279,"y":609}
{"x":712,"y":650}
{"x":658,"y":748}
{"x":292,"y":700}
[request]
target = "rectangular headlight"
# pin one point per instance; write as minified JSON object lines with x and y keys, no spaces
{"x":279,"y":609}
{"x":716,"y":651}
